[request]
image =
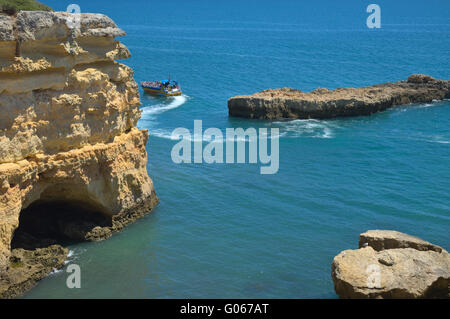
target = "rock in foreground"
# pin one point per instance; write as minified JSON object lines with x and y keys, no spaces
{"x":392,"y":265}
{"x":323,"y":103}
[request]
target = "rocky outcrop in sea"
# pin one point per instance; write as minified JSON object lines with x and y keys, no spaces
{"x":390,"y":264}
{"x":72,"y":162}
{"x":324,"y":103}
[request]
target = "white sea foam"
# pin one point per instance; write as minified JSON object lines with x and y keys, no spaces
{"x":291,"y":128}
{"x":439,"y":140}
{"x":74,"y":254}
{"x":306,"y":128}
{"x":434,"y":141}
{"x":327,"y":133}
{"x":161,"y":134}
{"x":176,"y":102}
{"x":55,"y":271}
{"x":426,"y":105}
{"x":70,"y":257}
{"x":166,"y":134}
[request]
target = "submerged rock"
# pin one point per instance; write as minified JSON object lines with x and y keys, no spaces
{"x":323,"y":103}
{"x":391,"y":264}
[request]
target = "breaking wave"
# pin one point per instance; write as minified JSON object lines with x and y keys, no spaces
{"x":307,"y":128}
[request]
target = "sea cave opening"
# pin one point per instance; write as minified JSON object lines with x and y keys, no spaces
{"x":63,"y":222}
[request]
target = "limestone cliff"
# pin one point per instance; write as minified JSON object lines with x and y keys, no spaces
{"x":324,"y":103}
{"x":68,"y":136}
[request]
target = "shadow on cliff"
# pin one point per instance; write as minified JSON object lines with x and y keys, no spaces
{"x":46,"y":223}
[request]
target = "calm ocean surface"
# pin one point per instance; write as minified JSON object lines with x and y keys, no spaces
{"x":224,"y":231}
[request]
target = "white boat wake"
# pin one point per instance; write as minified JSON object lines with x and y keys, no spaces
{"x":175,"y":102}
{"x":293,"y":128}
{"x":166,"y":134}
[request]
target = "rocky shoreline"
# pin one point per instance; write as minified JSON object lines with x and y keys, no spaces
{"x":27,"y":267}
{"x":324,"y":103}
{"x":72,"y":162}
{"x":390,"y":264}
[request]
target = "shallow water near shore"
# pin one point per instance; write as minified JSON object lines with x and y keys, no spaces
{"x":224,"y":230}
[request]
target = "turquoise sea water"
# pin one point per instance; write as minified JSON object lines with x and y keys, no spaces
{"x":224,"y":231}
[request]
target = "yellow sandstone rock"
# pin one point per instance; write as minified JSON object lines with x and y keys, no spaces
{"x":68,"y":114}
{"x":324,"y":103}
{"x":390,"y":264}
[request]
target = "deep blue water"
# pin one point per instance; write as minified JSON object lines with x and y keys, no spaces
{"x":225,"y":230}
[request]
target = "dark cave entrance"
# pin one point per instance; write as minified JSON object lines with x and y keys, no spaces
{"x":62,"y":222}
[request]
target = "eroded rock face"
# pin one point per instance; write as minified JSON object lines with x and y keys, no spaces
{"x":391,"y":264}
{"x":323,"y":103}
{"x":68,"y":114}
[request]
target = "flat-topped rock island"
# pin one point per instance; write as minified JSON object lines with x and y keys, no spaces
{"x":324,"y":103}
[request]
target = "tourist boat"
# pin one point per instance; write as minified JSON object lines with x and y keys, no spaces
{"x":162,"y":88}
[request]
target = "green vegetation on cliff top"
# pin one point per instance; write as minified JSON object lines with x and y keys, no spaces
{"x":13,"y":6}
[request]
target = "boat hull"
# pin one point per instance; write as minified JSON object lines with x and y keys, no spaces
{"x":162,"y":93}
